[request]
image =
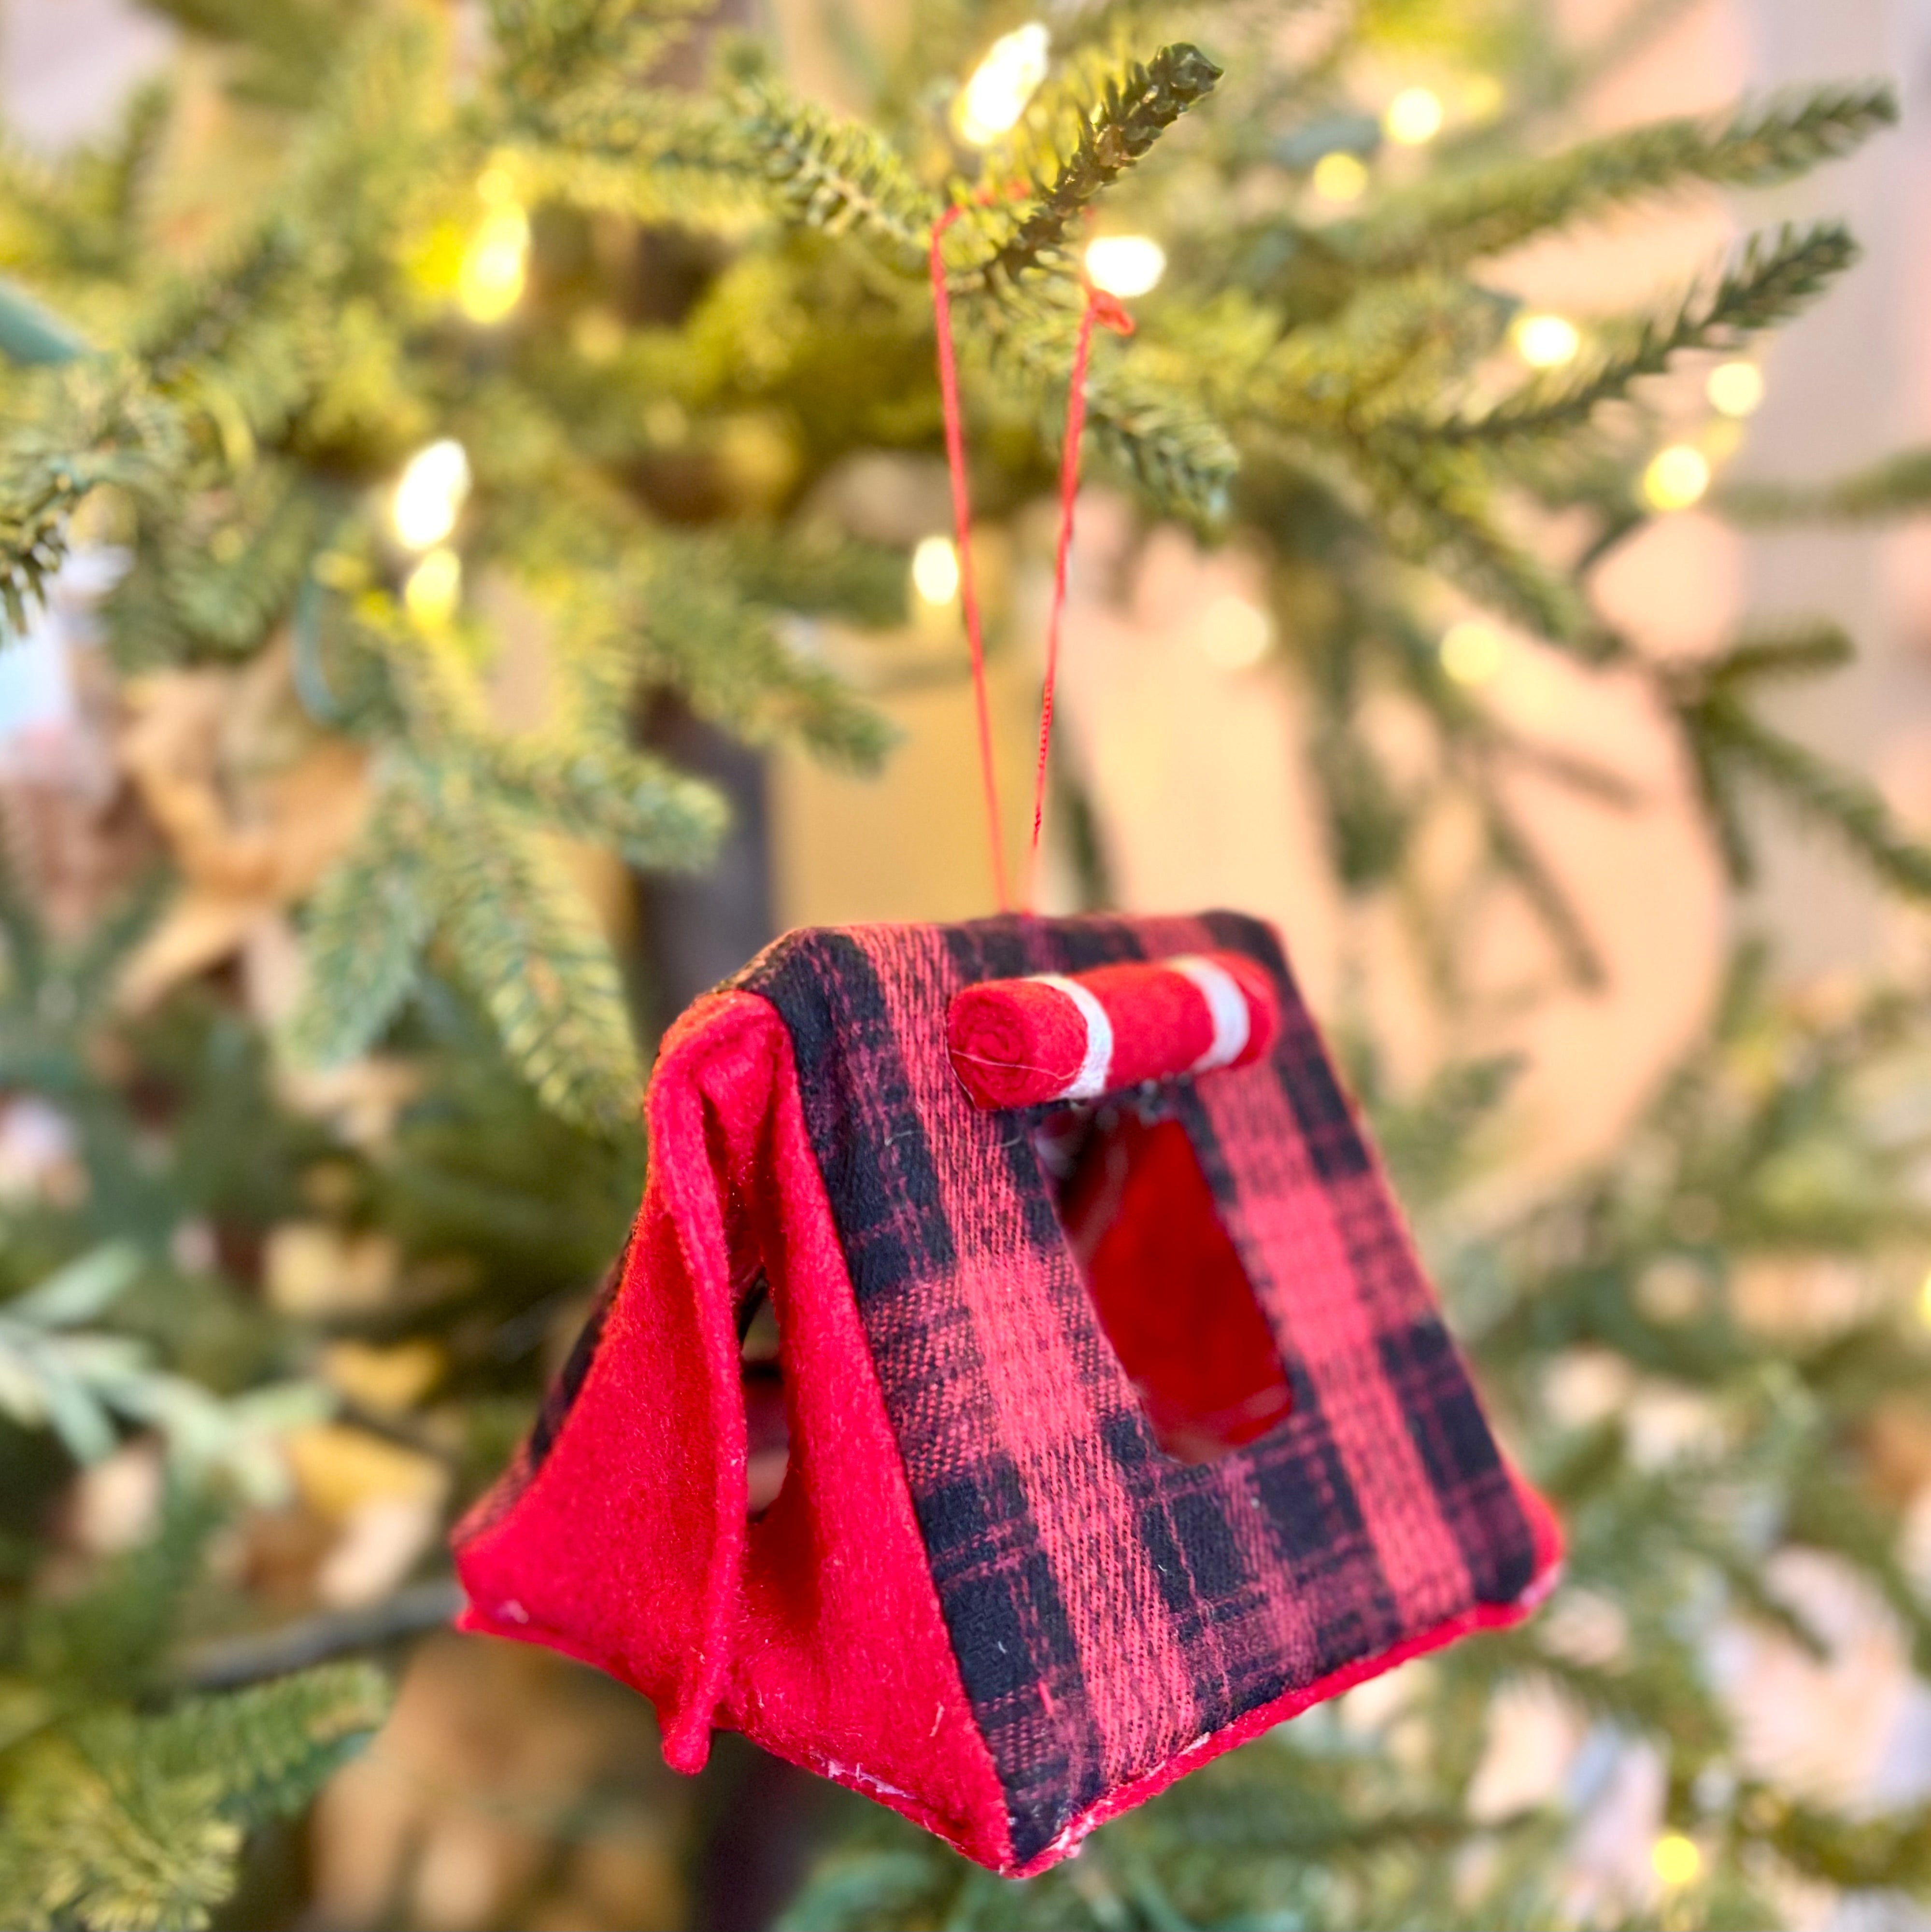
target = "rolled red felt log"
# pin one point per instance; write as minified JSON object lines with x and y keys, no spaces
{"x":1025,"y":1042}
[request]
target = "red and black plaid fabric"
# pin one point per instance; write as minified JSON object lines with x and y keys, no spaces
{"x":1111,"y":1607}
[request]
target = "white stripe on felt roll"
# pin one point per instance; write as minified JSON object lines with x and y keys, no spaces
{"x":1090,"y":1082}
{"x":1226,"y":1006}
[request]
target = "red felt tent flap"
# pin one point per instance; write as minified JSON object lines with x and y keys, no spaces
{"x":682,"y":1168}
{"x":625,"y":1546}
{"x":816,"y":1628}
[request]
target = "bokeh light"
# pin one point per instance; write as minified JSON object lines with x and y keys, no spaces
{"x":495,"y":264}
{"x":1471,"y":651}
{"x":1413,"y":117}
{"x":1545,"y":341}
{"x":1340,"y":177}
{"x":430,"y":494}
{"x":1235,"y":632}
{"x":935,"y":570}
{"x":1125,"y":265}
{"x":1735,"y":388}
{"x":1677,"y":477}
{"x":431,"y":590}
{"x":1677,"y":1860}
{"x":1002,"y":83}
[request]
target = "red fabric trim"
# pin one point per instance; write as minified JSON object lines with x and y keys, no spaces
{"x":815,"y":1630}
{"x":1292,"y":1703}
{"x":1021,"y":1042}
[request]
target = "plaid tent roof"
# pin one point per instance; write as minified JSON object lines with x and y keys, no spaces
{"x":1112,"y":1608}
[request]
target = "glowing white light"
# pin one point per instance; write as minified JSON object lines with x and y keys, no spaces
{"x":430,"y":494}
{"x":1125,"y":265}
{"x":1736,"y":389}
{"x":1340,"y":177}
{"x":1547,"y":341}
{"x":489,"y":283}
{"x":430,"y":590}
{"x":1002,"y":83}
{"x":1924,"y":1301}
{"x":1677,"y":477}
{"x":935,"y":570}
{"x":1471,"y":651}
{"x":1235,"y":634}
{"x":1413,"y":117}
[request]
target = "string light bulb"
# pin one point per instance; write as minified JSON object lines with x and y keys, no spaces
{"x":1002,"y":83}
{"x":1677,"y":477}
{"x":1482,"y":98}
{"x":495,"y":264}
{"x":431,"y":590}
{"x":1924,"y":1301}
{"x":1545,"y":341}
{"x":1676,"y":1860}
{"x":1413,"y":118}
{"x":1235,"y":633}
{"x":1340,"y":177}
{"x":1125,"y":265}
{"x":935,"y":570}
{"x":1735,"y":388}
{"x":430,"y":494}
{"x":1471,"y":651}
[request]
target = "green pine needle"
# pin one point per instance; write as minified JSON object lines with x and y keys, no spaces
{"x":1445,"y":225}
{"x":524,"y":940}
{"x":1777,"y":275}
{"x":838,"y":176}
{"x":1138,"y":106}
{"x":367,"y":925}
{"x":1897,"y":486}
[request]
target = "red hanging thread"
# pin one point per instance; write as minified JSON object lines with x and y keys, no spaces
{"x":1099,"y":307}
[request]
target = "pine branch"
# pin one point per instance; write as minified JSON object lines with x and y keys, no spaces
{"x":1899,"y":486}
{"x":1137,"y":107}
{"x":1728,"y":744}
{"x":1775,"y":277}
{"x":229,"y":585}
{"x":1153,"y":428}
{"x":1515,"y":853}
{"x":525,"y":942}
{"x":85,"y":425}
{"x":691,"y":632}
{"x":1379,"y":358}
{"x":198,"y":317}
{"x":1425,"y":1141}
{"x":658,"y":820}
{"x":135,"y":1824}
{"x":1767,"y":655}
{"x":288,"y":48}
{"x":1888,"y":1854}
{"x":546,"y":47}
{"x":838,"y":176}
{"x":275,"y":1743}
{"x":366,"y":927}
{"x":228,"y":1662}
{"x":1179,"y":454}
{"x":1437,"y":509}
{"x":1445,"y":225}
{"x":785,"y":570}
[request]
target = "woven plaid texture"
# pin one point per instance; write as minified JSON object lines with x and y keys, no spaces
{"x":1109,"y":1606}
